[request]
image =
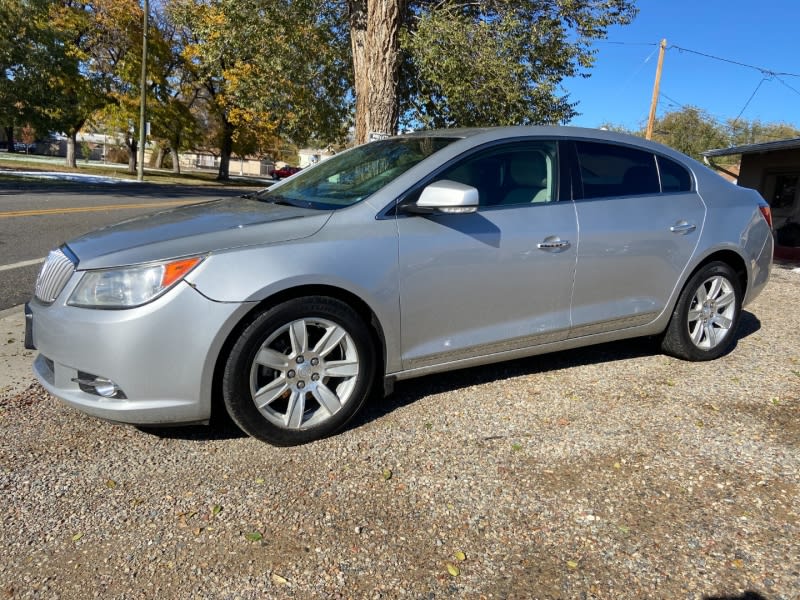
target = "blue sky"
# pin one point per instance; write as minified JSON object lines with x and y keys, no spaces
{"x":763,"y":33}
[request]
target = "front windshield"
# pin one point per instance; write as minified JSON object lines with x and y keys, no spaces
{"x":350,"y":177}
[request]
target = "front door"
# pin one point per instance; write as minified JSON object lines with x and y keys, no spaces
{"x":496,"y":280}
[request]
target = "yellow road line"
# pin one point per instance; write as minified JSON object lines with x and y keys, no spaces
{"x":82,"y":209}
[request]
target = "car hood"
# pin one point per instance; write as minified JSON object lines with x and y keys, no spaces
{"x":195,"y":229}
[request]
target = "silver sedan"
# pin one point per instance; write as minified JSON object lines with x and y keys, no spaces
{"x":406,"y":256}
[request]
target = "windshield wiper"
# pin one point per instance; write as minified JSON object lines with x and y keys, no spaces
{"x":283,"y":200}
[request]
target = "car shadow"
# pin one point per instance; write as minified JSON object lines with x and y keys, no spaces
{"x":409,"y":391}
{"x":748,"y":595}
{"x":221,"y":427}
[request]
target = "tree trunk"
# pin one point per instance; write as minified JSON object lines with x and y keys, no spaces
{"x":176,"y":161}
{"x":132,"y":154}
{"x":157,"y":160}
{"x":375,"y":42}
{"x":10,"y":138}
{"x":226,"y":149}
{"x":72,"y":155}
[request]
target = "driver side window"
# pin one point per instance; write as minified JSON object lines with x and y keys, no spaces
{"x":511,"y":175}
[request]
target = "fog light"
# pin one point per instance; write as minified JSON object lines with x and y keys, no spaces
{"x":99,"y":386}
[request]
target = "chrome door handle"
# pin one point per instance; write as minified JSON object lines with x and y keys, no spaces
{"x":683,"y":227}
{"x":553,"y":243}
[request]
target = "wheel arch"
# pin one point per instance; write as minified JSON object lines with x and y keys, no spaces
{"x":358,"y":304}
{"x":732,"y":259}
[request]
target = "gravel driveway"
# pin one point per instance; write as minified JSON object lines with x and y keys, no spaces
{"x":609,"y":472}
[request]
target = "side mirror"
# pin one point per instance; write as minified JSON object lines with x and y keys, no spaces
{"x":445,"y":196}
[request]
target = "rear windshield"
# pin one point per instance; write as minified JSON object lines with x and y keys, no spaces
{"x":352,"y":176}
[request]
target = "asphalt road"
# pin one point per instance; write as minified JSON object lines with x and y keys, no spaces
{"x":34,"y":218}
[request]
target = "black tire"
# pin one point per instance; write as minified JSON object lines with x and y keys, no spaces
{"x":310,"y":381}
{"x":701,"y":331}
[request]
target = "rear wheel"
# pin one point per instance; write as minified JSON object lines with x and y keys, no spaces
{"x":703,"y":324}
{"x":300,"y":371}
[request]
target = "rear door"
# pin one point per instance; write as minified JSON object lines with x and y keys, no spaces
{"x":640,"y":219}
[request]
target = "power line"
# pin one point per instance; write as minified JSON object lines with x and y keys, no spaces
{"x":626,"y":43}
{"x":727,"y":123}
{"x":763,"y":70}
{"x":746,"y":104}
{"x":788,"y":86}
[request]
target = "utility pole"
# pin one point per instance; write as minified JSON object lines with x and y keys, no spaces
{"x":654,"y":102}
{"x":143,"y":96}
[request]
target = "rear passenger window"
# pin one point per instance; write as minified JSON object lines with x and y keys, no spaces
{"x":611,"y":170}
{"x":674,"y":178}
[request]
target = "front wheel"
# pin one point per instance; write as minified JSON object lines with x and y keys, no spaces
{"x":703,"y":324}
{"x":300,"y":371}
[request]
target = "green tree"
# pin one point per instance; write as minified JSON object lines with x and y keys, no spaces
{"x":753,"y":132}
{"x":265,"y":69}
{"x":489,"y":62}
{"x":26,"y":55}
{"x":690,"y":130}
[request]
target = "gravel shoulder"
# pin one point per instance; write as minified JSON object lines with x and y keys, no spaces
{"x":607,"y":472}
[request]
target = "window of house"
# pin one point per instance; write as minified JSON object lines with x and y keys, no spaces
{"x":785,"y":190}
{"x":611,"y":170}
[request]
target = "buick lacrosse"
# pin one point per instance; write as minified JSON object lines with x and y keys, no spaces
{"x":406,"y":256}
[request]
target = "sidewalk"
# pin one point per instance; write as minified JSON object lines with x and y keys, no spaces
{"x":15,"y":361}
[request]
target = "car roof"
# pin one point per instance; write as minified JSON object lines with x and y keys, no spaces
{"x":565,"y":131}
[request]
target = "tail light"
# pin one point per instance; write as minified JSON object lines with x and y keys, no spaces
{"x":767,"y":212}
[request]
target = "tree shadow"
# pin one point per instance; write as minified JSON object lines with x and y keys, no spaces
{"x":129,"y":188}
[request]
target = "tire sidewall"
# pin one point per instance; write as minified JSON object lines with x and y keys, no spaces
{"x":236,"y":376}
{"x":679,"y":325}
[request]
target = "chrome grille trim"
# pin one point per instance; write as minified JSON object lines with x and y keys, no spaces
{"x":55,"y":273}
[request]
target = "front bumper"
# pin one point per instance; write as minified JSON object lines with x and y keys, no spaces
{"x":161,"y":356}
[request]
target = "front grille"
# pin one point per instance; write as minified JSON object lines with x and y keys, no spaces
{"x":55,"y":273}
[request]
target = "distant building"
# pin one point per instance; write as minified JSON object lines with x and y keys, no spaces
{"x":311,"y":156}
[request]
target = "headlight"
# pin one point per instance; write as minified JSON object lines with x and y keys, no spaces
{"x":127,"y":287}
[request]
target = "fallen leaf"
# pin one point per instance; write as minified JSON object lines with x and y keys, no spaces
{"x":254,"y":536}
{"x":111,"y":484}
{"x":278,"y":579}
{"x":617,"y":465}
{"x":460,"y":556}
{"x":572,"y":564}
{"x":260,"y":481}
{"x":738,"y":563}
{"x":516,"y":446}
{"x":197,"y":530}
{"x":387,"y":474}
{"x":216,"y":509}
{"x":453,"y":570}
{"x":77,"y":536}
